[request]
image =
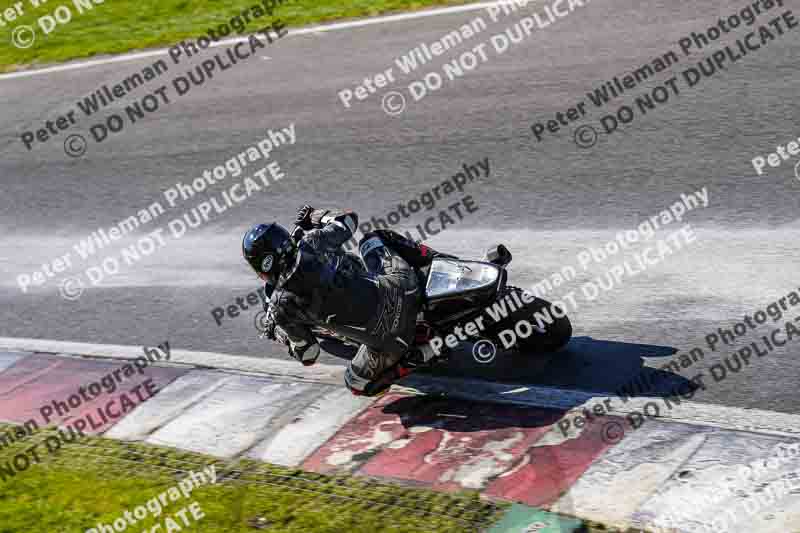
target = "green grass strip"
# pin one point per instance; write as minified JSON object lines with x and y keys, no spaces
{"x":95,"y":480}
{"x":116,"y":26}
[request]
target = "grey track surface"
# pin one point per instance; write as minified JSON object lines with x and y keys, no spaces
{"x":545,"y":200}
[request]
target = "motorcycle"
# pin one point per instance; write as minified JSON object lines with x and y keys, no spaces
{"x":459,"y":291}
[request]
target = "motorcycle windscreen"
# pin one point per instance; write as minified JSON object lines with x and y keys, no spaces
{"x":448,"y":277}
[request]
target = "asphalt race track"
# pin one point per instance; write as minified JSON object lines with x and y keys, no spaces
{"x":546,"y":200}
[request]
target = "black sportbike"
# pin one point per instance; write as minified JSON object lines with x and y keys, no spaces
{"x":459,"y":291}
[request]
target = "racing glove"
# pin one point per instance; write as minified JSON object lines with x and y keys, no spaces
{"x":305,"y":352}
{"x":267,"y":324}
{"x":309,"y":218}
{"x":303,"y":219}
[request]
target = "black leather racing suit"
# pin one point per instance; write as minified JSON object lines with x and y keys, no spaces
{"x":376,"y":305}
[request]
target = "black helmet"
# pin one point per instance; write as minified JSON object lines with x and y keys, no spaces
{"x":264,"y":247}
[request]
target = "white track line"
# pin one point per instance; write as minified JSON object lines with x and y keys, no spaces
{"x":705,"y":414}
{"x":281,"y":368}
{"x":299,"y":31}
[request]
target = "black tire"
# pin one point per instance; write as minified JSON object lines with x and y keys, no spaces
{"x":557,"y":334}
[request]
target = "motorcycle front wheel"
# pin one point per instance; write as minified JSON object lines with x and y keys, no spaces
{"x":527,"y":336}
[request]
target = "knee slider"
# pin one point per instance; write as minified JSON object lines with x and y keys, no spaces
{"x":354,"y":382}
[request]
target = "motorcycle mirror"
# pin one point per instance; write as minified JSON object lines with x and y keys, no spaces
{"x":498,"y":255}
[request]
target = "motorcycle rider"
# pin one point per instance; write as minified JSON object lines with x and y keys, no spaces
{"x":315,"y":282}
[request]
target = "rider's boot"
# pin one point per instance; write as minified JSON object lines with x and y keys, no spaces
{"x":383,"y":383}
{"x":422,"y":353}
